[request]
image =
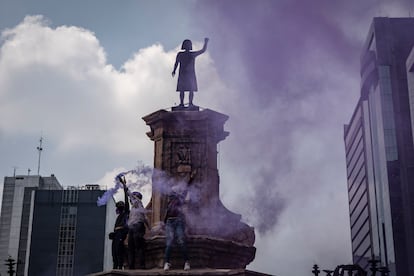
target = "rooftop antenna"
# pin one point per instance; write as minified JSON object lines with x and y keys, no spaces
{"x":14,"y":170}
{"x":39,"y":149}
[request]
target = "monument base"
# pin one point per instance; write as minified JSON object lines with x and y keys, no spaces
{"x":203,"y":252}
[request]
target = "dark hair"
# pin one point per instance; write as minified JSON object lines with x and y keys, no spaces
{"x":187,"y":45}
{"x":137,"y":194}
{"x":120,"y":204}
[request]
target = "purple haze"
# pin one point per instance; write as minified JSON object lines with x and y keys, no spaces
{"x":295,"y":67}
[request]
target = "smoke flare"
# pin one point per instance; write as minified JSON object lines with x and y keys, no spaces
{"x":135,"y":178}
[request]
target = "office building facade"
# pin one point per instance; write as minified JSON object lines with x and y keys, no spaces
{"x":15,"y":221}
{"x":52,"y":231}
{"x":69,"y":233}
{"x":380,"y":152}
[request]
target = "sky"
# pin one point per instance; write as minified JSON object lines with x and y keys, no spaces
{"x":82,"y":74}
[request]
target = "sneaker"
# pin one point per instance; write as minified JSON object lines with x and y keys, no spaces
{"x":187,"y":266}
{"x":167,"y":266}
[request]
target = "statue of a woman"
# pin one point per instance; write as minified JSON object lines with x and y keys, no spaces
{"x":186,"y":76}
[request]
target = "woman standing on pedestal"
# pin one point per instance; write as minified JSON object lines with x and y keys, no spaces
{"x":186,"y":76}
{"x":120,"y":228}
{"x":175,"y":229}
{"x":136,"y":224}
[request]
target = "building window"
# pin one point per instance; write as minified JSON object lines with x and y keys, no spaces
{"x":67,"y":233}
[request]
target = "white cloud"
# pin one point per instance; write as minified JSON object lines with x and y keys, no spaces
{"x":58,"y":80}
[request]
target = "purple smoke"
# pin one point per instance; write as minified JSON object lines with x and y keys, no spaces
{"x":108,"y":194}
{"x":281,"y":46}
{"x":295,"y":67}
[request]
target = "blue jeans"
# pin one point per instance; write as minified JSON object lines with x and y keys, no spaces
{"x":175,"y":228}
{"x":136,"y":244}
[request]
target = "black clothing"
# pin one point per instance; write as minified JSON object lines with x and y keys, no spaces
{"x":118,"y":248}
{"x":174,"y":207}
{"x":121,"y":220}
{"x":120,"y":233}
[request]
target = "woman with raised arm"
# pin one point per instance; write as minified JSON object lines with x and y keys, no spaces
{"x":136,"y":223}
{"x":120,"y":228}
{"x":186,"y":76}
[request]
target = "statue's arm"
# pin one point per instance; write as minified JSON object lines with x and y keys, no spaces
{"x":175,"y":65}
{"x":204,"y":47}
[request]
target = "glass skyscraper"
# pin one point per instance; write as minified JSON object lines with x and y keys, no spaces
{"x":380,"y":153}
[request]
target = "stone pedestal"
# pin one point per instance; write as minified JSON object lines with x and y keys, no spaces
{"x":185,"y":153}
{"x":204,"y":252}
{"x":185,"y":142}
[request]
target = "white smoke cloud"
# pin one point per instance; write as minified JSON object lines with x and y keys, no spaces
{"x":137,"y":179}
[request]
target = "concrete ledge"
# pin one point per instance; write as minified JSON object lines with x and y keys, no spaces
{"x":195,"y":272}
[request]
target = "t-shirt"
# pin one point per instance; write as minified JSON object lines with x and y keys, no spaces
{"x":174,"y":208}
{"x":137,"y":213}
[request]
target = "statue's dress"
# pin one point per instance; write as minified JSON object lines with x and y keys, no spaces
{"x":186,"y":77}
